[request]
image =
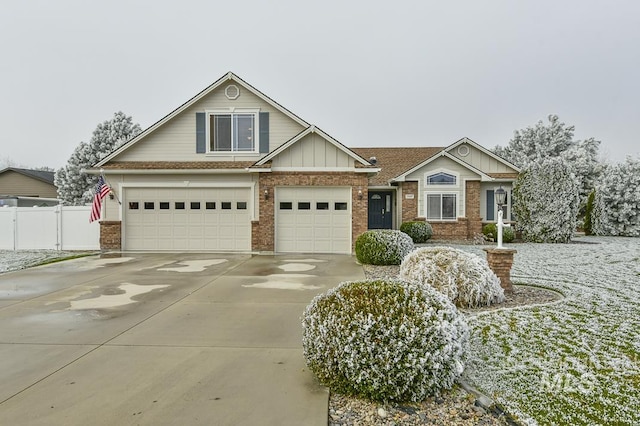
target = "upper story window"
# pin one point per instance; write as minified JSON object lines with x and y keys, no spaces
{"x":442,"y":178}
{"x":233,"y":131}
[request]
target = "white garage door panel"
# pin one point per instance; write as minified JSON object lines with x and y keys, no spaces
{"x":187,"y":223}
{"x":314,"y":229}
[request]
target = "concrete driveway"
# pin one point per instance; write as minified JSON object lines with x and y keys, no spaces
{"x":169,"y":339}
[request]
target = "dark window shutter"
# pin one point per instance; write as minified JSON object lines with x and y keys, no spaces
{"x":264,"y":132}
{"x":201,"y":142}
{"x":490,"y":205}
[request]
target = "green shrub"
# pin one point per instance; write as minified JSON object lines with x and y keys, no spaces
{"x":490,"y":230}
{"x":465,"y":278}
{"x":384,"y":340}
{"x":383,"y":247}
{"x":419,"y":232}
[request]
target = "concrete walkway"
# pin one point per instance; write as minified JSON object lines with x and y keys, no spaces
{"x":163,"y":339}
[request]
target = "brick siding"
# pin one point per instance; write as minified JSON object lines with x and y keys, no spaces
{"x":410,"y":206}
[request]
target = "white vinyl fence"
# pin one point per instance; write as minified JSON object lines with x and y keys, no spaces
{"x":49,"y":228}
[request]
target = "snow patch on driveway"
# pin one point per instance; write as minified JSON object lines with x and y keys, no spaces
{"x":297,"y":267}
{"x":194,"y":265}
{"x":113,"y":300}
{"x":99,"y":263}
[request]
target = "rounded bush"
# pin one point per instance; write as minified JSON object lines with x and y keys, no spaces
{"x":463,"y":277}
{"x":419,"y":232}
{"x":490,"y":230}
{"x":384,"y":340}
{"x":383,"y":247}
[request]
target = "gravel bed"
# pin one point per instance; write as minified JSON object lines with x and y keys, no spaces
{"x":454,"y":407}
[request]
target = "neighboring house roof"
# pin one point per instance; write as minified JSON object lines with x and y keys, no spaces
{"x":395,"y":161}
{"x":227,"y":77}
{"x":41,"y":175}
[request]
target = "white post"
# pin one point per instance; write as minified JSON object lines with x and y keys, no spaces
{"x":501,"y":225}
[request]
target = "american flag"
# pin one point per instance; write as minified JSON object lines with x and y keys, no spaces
{"x":102,"y":189}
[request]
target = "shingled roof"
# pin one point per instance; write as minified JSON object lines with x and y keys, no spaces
{"x":395,"y":161}
{"x":176,"y":165}
{"x":42,"y":175}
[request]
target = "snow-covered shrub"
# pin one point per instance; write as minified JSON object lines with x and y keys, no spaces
{"x":419,"y":231}
{"x":384,"y":340}
{"x":546,"y":201}
{"x":490,"y":230}
{"x":617,"y":204}
{"x":383,"y":247}
{"x":463,"y":277}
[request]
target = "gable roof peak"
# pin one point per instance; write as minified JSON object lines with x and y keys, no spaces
{"x":229,"y":76}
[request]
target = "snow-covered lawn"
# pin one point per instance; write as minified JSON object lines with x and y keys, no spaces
{"x":14,"y":260}
{"x":576,"y":361}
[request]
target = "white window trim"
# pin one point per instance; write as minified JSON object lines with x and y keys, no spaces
{"x":441,"y":193}
{"x":441,"y":185}
{"x":233,"y":110}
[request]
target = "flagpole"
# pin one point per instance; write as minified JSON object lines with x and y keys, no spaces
{"x":110,"y":186}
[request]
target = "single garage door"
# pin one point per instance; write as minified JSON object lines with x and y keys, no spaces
{"x":313,"y":220}
{"x":187,"y":219}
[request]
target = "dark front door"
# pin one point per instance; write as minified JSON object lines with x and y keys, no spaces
{"x":380,"y":216}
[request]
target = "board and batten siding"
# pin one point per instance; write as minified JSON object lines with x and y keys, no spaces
{"x":14,"y":183}
{"x":435,"y":166}
{"x":481,"y":161}
{"x":312,"y":151}
{"x":113,"y":208}
{"x":176,"y":139}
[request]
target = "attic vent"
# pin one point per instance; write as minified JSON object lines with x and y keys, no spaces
{"x":232,"y":92}
{"x":373,"y":160}
{"x":463,"y":150}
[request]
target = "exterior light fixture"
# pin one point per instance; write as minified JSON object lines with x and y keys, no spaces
{"x":501,"y":196}
{"x":266,"y":194}
{"x":359,"y":194}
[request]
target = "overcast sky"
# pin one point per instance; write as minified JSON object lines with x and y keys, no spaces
{"x":369,"y":73}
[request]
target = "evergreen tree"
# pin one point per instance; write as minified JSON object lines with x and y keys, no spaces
{"x":545,"y":201}
{"x":555,"y":140}
{"x":76,"y":187}
{"x":617,"y":204}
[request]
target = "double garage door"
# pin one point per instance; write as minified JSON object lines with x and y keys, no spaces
{"x":313,"y":220}
{"x":307,"y":219}
{"x":187,"y":219}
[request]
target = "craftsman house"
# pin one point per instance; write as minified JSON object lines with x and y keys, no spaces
{"x":232,"y":170}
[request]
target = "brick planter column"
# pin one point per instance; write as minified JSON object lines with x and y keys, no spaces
{"x":500,"y":262}
{"x":110,"y":235}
